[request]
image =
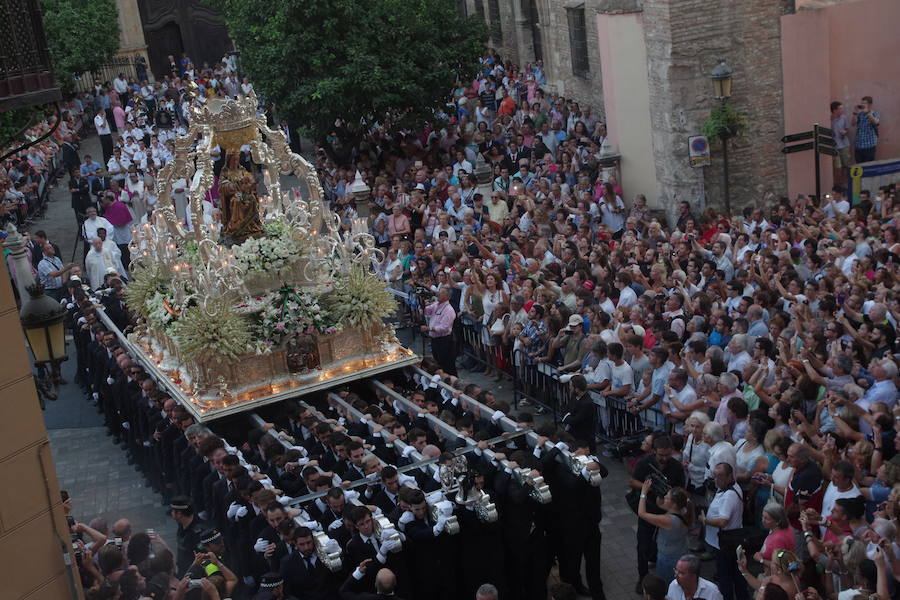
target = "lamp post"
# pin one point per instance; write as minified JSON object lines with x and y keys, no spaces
{"x":361,"y":193}
{"x":721,"y":78}
{"x":41,"y":318}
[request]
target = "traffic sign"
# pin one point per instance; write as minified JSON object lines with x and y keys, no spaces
{"x":797,"y":148}
{"x":797,"y":137}
{"x":827,"y":150}
{"x":824,"y":130}
{"x":824,"y":139}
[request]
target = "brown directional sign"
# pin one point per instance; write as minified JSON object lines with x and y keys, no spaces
{"x":797,"y":137}
{"x":797,"y":148}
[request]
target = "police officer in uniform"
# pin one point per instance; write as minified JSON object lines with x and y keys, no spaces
{"x":190,"y":532}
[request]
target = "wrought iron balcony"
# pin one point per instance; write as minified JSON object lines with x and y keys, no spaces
{"x":26,"y":77}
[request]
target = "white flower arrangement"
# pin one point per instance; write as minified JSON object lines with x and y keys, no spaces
{"x":156,"y":311}
{"x":288,"y":313}
{"x":267,"y":254}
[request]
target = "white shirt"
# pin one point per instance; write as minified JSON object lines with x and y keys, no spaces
{"x":120,"y":85}
{"x":627,"y":297}
{"x":705,"y":589}
{"x":721,"y":452}
{"x":102,"y":125}
{"x":738,"y":362}
{"x":726,"y":503}
{"x":832,"y":494}
{"x":602,"y":372}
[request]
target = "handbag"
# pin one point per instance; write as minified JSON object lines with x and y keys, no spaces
{"x":499,"y":325}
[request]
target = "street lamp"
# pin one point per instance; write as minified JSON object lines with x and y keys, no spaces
{"x":360,"y":192}
{"x":42,"y":319}
{"x":721,"y":78}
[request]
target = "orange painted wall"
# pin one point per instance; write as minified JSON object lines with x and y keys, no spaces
{"x":840,"y":52}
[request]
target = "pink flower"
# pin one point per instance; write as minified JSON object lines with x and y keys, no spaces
{"x":280,"y":326}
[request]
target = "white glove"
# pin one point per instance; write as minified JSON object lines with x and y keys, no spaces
{"x":283,"y":499}
{"x":455,"y":401}
{"x":96,"y":396}
{"x":406,"y":517}
{"x":70,"y":306}
{"x":407,"y":452}
{"x":439,"y":526}
{"x":445,"y":508}
{"x":498,"y":414}
{"x":126,"y":425}
{"x":357,"y":574}
{"x":336,"y":524}
{"x":313,"y":525}
{"x":351,"y":495}
{"x":241,"y":512}
{"x":302,"y":451}
{"x":562,"y":446}
{"x":445,"y":394}
{"x":261,"y":545}
{"x":406,"y":480}
{"x":392,"y":545}
{"x":110,"y":381}
{"x":537,"y":452}
{"x":232,"y":510}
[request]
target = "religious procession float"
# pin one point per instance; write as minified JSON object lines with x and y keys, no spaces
{"x":275,"y":300}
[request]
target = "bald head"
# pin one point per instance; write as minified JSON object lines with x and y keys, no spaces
{"x":122,"y":529}
{"x":385,"y":581}
{"x":431,"y":451}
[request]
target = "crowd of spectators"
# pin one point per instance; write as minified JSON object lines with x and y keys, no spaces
{"x":765,"y":340}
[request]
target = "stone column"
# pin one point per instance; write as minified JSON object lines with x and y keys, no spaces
{"x":131,"y":33}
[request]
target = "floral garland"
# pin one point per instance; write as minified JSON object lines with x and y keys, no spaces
{"x":288,"y":313}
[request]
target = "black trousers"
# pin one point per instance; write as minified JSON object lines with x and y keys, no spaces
{"x":646,"y":546}
{"x":444,"y":351}
{"x":107,"y":144}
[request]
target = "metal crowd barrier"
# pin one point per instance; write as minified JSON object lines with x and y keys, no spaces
{"x":471,"y":345}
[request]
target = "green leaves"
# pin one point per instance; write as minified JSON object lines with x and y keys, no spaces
{"x":82,"y":35}
{"x":354,"y":60}
{"x":724,"y":122}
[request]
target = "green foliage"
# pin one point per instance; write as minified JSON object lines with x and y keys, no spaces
{"x":724,"y":122}
{"x":360,"y":61}
{"x":200,"y":336}
{"x":359,"y":299}
{"x":14,"y":121}
{"x":81,"y":35}
{"x":145,"y":283}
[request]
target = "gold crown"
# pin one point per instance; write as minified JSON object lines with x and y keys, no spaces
{"x":226,"y":115}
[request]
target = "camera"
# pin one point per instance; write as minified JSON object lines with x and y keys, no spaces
{"x":660,"y":483}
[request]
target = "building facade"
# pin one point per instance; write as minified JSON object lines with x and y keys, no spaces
{"x":643,"y":66}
